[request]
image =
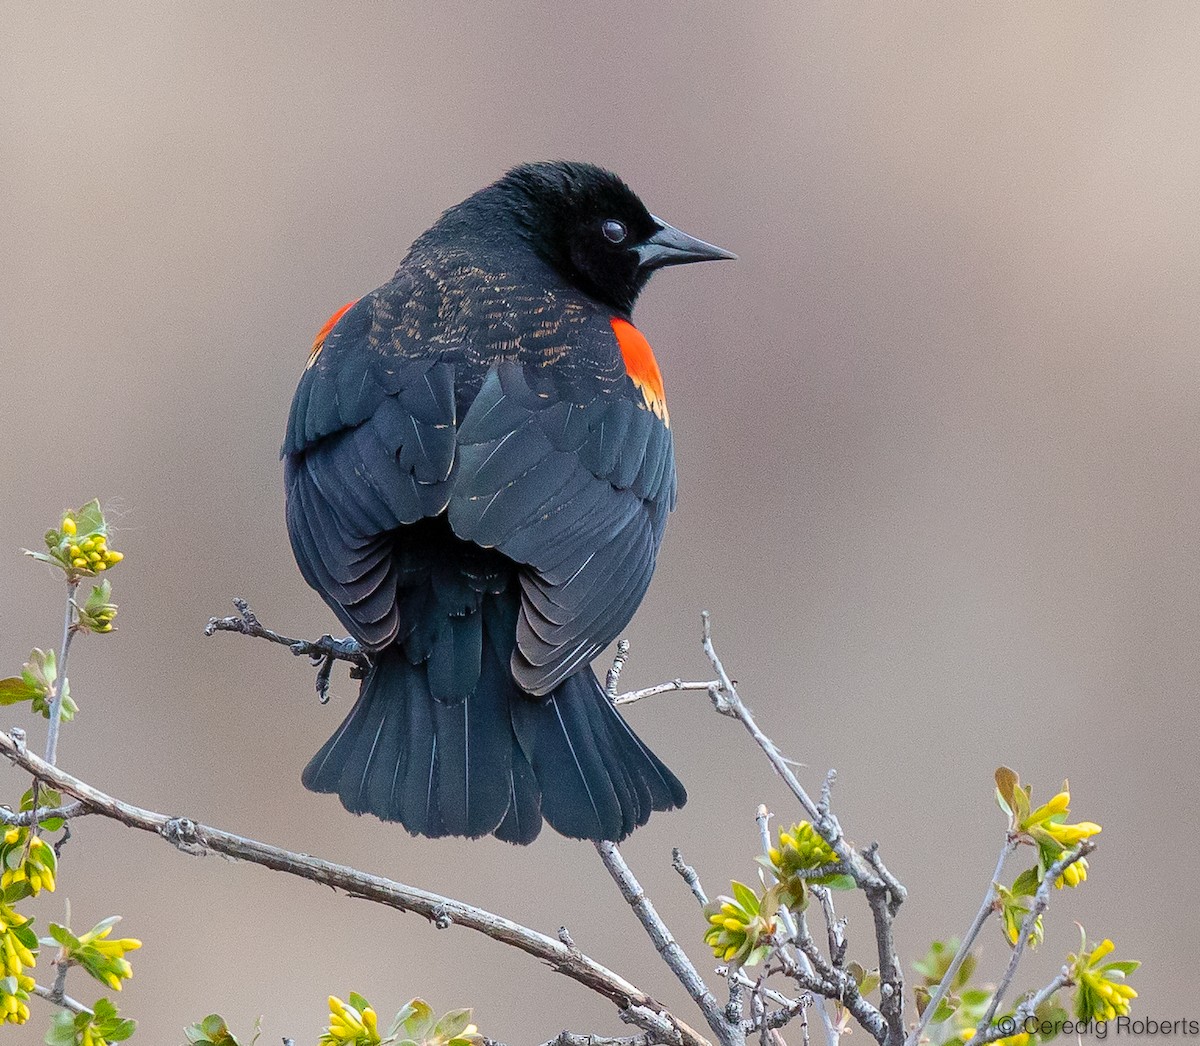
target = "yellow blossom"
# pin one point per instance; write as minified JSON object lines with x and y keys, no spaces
{"x":1100,"y":990}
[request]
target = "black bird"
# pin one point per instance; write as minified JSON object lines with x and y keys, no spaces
{"x":479,"y":468}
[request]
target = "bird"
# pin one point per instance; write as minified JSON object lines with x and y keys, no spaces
{"x":478,"y":467}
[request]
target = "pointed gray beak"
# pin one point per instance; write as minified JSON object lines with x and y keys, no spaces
{"x":669,"y":246}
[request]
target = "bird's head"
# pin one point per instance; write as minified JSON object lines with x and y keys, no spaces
{"x":592,"y":228}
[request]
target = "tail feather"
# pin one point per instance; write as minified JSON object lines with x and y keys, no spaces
{"x":496,"y":762}
{"x":474,"y":758}
{"x":598,"y":780}
{"x":523,"y":821}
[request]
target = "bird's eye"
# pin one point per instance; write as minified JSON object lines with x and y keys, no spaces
{"x":614,"y":231}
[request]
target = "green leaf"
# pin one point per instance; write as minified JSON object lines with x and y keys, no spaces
{"x":15,"y":892}
{"x":52,"y":560}
{"x":745,"y":897}
{"x":14,"y":689}
{"x":836,"y":882}
{"x":62,"y":1030}
{"x":452,"y":1023}
{"x":420,"y":1020}
{"x":358,"y":1002}
{"x":1126,"y":966}
{"x":120,"y":1030}
{"x":46,"y":797}
{"x":64,"y":937}
{"x":89,"y":520}
{"x":1026,"y":884}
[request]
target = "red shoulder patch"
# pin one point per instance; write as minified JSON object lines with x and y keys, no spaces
{"x":641,"y":366}
{"x":319,"y":341}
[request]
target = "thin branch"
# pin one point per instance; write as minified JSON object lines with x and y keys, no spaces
{"x":666,"y":945}
{"x":1041,"y":901}
{"x":194,"y":838}
{"x":60,"y":682}
{"x":726,"y":701}
{"x":570,"y":1038}
{"x":614,"y":673}
{"x":985,"y":909}
{"x":689,"y":876}
{"x":882,"y":899}
{"x":796,"y":926}
{"x":1010,"y":1025}
{"x":42,"y":813}
{"x":673,"y":685}
{"x":323,"y":652}
{"x":61,"y":1000}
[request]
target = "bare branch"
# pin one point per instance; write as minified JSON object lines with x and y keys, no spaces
{"x":59,"y":999}
{"x":1041,"y":901}
{"x":631,"y":696}
{"x":1027,"y":1009}
{"x":570,"y":1038}
{"x":883,"y":900}
{"x":964,"y":949}
{"x":689,"y":876}
{"x":323,"y":652}
{"x":60,"y":683}
{"x":195,"y":838}
{"x":665,"y":944}
{"x":614,"y":673}
{"x":42,"y":813}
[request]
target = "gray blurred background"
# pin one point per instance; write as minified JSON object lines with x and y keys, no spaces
{"x":936,"y":434}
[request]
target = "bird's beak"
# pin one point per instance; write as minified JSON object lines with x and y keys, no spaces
{"x":669,"y":246}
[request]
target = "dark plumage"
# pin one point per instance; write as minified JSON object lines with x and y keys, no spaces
{"x":479,"y":470}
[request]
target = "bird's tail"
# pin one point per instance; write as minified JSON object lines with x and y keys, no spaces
{"x":495,"y":763}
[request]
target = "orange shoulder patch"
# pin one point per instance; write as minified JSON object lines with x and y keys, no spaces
{"x":641,"y":366}
{"x":319,"y":341}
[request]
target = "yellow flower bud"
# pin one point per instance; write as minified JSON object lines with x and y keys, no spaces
{"x":1058,"y":804}
{"x":73,"y":551}
{"x":100,"y":566}
{"x":12,"y":835}
{"x":68,"y":525}
{"x":114,"y":557}
{"x":79,"y":562}
{"x":88,"y":545}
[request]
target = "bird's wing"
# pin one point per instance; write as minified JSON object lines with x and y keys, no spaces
{"x":370,"y":446}
{"x":573,"y":475}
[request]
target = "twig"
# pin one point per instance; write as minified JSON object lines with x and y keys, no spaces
{"x":614,"y":673}
{"x":570,"y":1038}
{"x":629,"y":697}
{"x":65,"y":1001}
{"x":1010,"y":1025}
{"x":882,"y":899}
{"x":666,"y":945}
{"x":42,"y":813}
{"x":985,"y":909}
{"x":689,"y":876}
{"x":195,"y":838}
{"x":60,"y":682}
{"x":323,"y":652}
{"x":727,"y":702}
{"x":1041,"y":901}
{"x":796,"y":926}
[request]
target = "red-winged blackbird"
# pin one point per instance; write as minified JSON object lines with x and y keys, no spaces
{"x":479,"y":468}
